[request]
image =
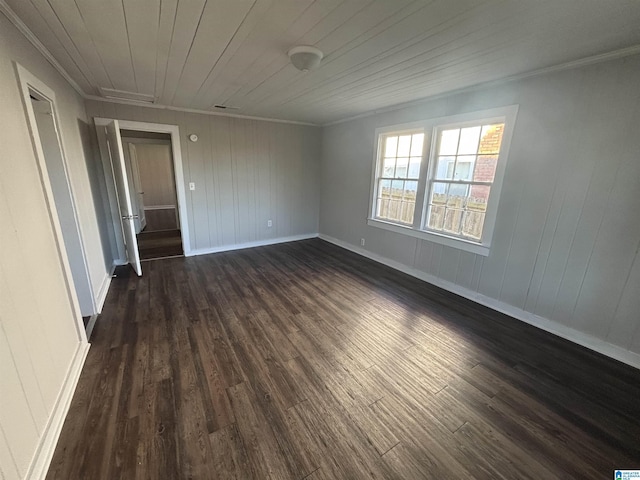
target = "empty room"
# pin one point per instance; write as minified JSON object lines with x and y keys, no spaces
{"x":319,"y":239}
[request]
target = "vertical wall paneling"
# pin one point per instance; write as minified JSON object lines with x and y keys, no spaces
{"x":26,"y":361}
{"x":212,"y":191}
{"x":246,"y":172}
{"x":15,"y":409}
{"x":197,"y":175}
{"x":606,"y":274}
{"x":564,"y":250}
{"x":8,"y":468}
{"x":39,"y":338}
{"x":608,"y":122}
{"x":223,"y":185}
{"x":621,"y":332}
{"x":545,"y":135}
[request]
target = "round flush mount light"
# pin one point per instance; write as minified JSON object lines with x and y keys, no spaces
{"x":305,"y":57}
{"x":193,"y":137}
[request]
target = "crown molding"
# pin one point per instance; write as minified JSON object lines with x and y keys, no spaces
{"x":573,"y":64}
{"x":29,"y":35}
{"x":160,"y":106}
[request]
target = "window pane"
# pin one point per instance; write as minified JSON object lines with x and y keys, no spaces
{"x":394,"y":210}
{"x":397,"y":186}
{"x":410,"y":189}
{"x":383,"y":207}
{"x":469,"y":139}
{"x":457,"y":190}
{"x":408,"y":209}
{"x":436,"y":217}
{"x":472,"y":225}
{"x":439,"y":193}
{"x":452,"y":221}
{"x":388,"y":167}
{"x":414,"y":167}
{"x":449,"y":142}
{"x":416,"y":145}
{"x":444,"y":168}
{"x":478,"y":198}
{"x":391,"y":145}
{"x":485,"y":170}
{"x":455,"y":200}
{"x":464,"y":167}
{"x":384,"y":189}
{"x":491,"y":138}
{"x":402,"y":165}
{"x":404,"y":144}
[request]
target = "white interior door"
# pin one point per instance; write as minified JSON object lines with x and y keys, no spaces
{"x":126,"y":149}
{"x":116,"y":154}
{"x":135,"y":171}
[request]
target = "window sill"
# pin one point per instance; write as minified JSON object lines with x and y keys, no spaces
{"x":432,"y":237}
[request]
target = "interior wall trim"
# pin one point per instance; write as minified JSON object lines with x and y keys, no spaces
{"x":551,"y":326}
{"x":29,"y":35}
{"x":259,"y":243}
{"x":49,"y":439}
{"x":162,"y":106}
{"x":104,"y":289}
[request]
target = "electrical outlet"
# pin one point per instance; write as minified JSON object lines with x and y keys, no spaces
{"x":192,"y":185}
{"x":362,"y":242}
{"x":269,"y":223}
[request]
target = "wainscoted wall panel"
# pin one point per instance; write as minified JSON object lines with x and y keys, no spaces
{"x":246,"y":172}
{"x":39,"y":339}
{"x":156,"y":174}
{"x":565,"y":245}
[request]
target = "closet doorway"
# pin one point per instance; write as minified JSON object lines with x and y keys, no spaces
{"x":152,"y":184}
{"x":41,"y":112}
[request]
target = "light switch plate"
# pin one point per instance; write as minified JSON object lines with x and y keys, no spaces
{"x":192,"y":185}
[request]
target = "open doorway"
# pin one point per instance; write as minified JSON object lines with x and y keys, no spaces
{"x":39,"y":103}
{"x":143,"y":168}
{"x":151,"y":179}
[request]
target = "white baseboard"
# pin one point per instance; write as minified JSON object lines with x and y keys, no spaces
{"x":610,"y":350}
{"x":104,"y":289}
{"x":47,"y":445}
{"x":240,"y":246}
{"x":90,"y":325}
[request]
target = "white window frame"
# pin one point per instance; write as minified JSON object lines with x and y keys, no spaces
{"x":431,"y":129}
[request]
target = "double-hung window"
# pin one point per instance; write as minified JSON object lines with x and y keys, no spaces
{"x":397,"y":183}
{"x":441,"y":179}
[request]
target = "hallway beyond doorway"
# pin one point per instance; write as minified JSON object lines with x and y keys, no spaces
{"x":159,"y":244}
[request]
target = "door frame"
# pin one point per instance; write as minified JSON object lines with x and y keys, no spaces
{"x":28,"y":82}
{"x":178,"y":173}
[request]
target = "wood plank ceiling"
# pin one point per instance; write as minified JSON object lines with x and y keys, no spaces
{"x":198,"y":53}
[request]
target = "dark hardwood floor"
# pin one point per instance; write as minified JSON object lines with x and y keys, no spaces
{"x":159,"y":244}
{"x":304,"y":361}
{"x":161,"y":219}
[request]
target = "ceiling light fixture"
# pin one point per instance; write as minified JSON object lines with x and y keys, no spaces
{"x":305,"y":57}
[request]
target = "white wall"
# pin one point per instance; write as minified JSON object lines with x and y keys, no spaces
{"x":565,"y":245}
{"x":38,"y":335}
{"x":246,"y":172}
